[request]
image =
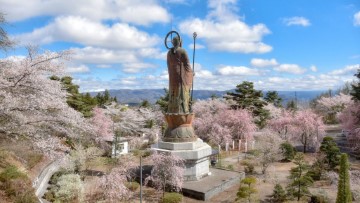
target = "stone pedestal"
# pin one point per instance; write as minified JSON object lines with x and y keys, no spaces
{"x":196,"y":155}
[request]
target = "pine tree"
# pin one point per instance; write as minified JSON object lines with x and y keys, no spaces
{"x":291,"y":105}
{"x":300,"y":181}
{"x":107,"y":97}
{"x":356,"y":87}
{"x":279,"y":194}
{"x":331,"y":150}
{"x":76,"y":100}
{"x":163,"y":101}
{"x":344,"y":193}
{"x":246,"y":97}
{"x":273,"y":98}
{"x":100,"y":99}
{"x":88,"y":104}
{"x":145,"y":104}
{"x":246,"y":188}
{"x":288,"y":151}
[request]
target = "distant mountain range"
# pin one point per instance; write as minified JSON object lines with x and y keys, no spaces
{"x":133,"y":97}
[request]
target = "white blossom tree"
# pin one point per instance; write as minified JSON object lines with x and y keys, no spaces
{"x":168,"y":170}
{"x":135,"y":121}
{"x":268,"y":148}
{"x":113,"y":185}
{"x":70,"y":188}
{"x":34,"y":106}
{"x":331,"y":106}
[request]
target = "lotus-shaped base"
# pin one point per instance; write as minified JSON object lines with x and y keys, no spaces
{"x":179,"y":128}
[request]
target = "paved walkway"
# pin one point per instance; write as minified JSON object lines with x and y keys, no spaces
{"x":41,"y":182}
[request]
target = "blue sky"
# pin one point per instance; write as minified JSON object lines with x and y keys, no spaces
{"x":117,"y":44}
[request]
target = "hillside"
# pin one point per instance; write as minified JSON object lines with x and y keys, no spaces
{"x":129,"y":96}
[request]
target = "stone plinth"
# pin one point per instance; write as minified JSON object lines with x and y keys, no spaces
{"x":179,"y":128}
{"x":195,"y":155}
{"x":210,"y":186}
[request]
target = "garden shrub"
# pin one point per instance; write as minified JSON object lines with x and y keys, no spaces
{"x":288,"y":151}
{"x":249,"y":166}
{"x":230,"y":167}
{"x":132,"y":186}
{"x":172,"y":197}
{"x":17,"y":186}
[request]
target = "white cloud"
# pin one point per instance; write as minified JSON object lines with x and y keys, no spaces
{"x":200,"y":72}
{"x":302,"y":21}
{"x":223,"y":30}
{"x":103,"y":66}
{"x":313,"y":68}
{"x":237,"y":70}
{"x":136,"y":67}
{"x":103,"y":56}
{"x":225,"y":81}
{"x":197,"y":46}
{"x":131,"y":60}
{"x":175,"y":1}
{"x":257,"y":62}
{"x":152,"y":53}
{"x":77,"y":69}
{"x":357,"y":19}
{"x":90,"y":33}
{"x":290,"y":68}
{"x":134,"y":11}
{"x":278,"y":80}
{"x":224,"y":10}
{"x":350,"y":69}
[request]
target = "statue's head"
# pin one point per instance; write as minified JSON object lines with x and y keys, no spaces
{"x":176,"y":41}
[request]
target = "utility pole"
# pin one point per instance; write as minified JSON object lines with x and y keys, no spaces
{"x":140,"y":178}
{"x":115,"y":140}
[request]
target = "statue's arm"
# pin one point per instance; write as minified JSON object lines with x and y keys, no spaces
{"x":168,"y":60}
{"x":186,"y":61}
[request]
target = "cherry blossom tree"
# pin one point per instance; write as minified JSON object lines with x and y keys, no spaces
{"x":282,"y":124}
{"x":215,"y":122}
{"x":103,"y":125}
{"x":275,"y":112}
{"x":303,"y":126}
{"x":268,"y":148}
{"x":113,"y":185}
{"x":135,"y":121}
{"x":34,"y":106}
{"x":336,"y":103}
{"x":350,"y":121}
{"x":308,"y":129}
{"x":331,"y":106}
{"x":168,"y":170}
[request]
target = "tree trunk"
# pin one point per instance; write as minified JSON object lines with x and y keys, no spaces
{"x":305,"y":143}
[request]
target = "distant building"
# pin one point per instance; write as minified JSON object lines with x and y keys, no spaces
{"x":119,"y":146}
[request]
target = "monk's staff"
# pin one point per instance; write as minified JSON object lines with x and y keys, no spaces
{"x":192,"y":88}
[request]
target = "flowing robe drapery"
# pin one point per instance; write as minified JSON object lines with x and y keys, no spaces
{"x":180,"y":81}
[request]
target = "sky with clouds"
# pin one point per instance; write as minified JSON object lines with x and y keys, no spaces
{"x":119,"y":44}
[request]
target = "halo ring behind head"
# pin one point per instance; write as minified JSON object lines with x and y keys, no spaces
{"x":170,"y":34}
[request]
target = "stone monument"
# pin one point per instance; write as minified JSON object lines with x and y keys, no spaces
{"x":179,"y":138}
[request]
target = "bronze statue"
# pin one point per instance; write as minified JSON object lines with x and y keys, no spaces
{"x":180,"y":78}
{"x":179,"y":116}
